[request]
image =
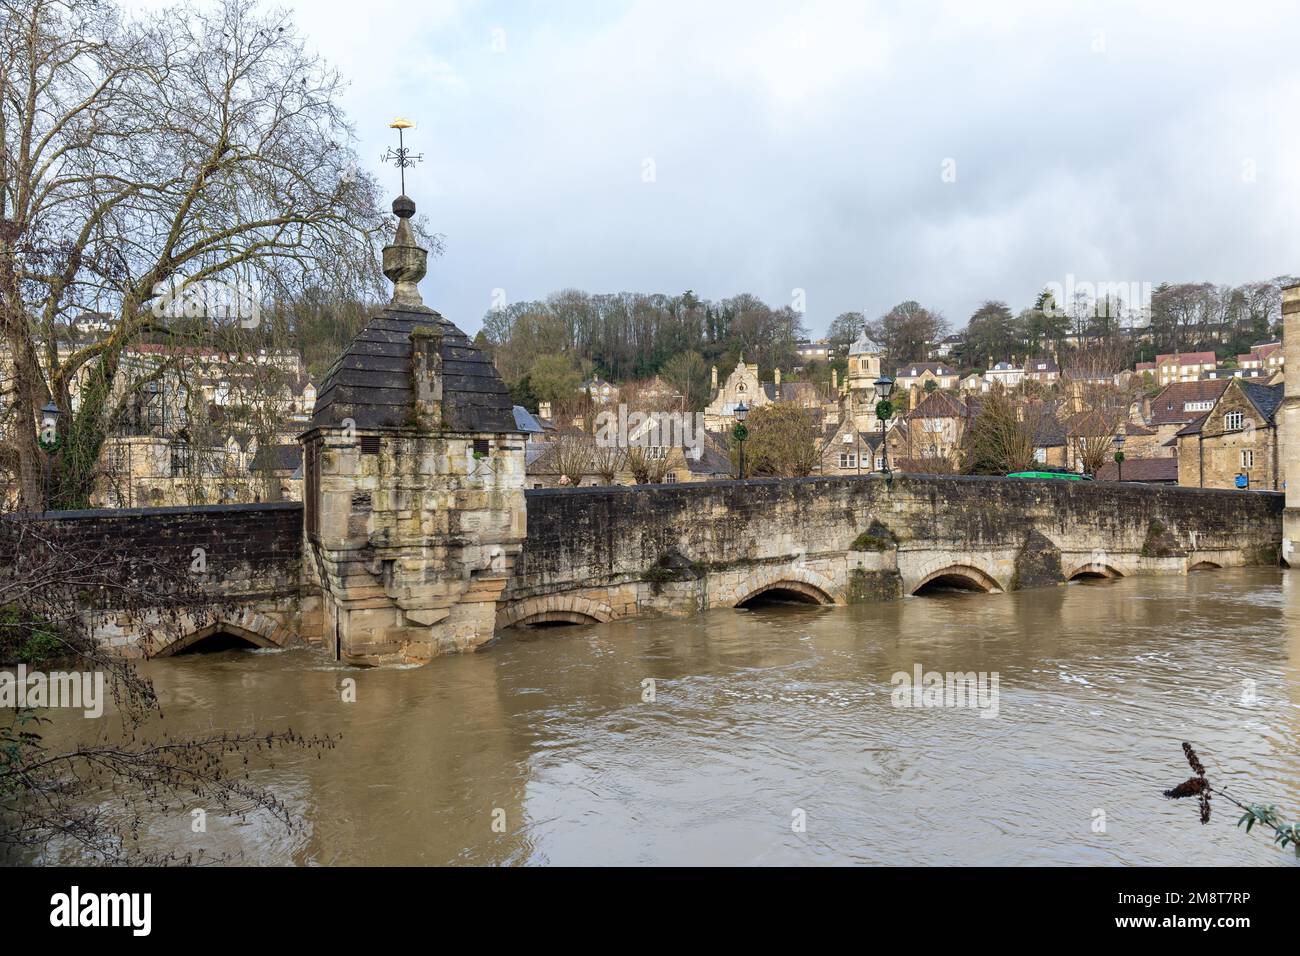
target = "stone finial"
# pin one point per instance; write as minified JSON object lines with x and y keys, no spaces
{"x":405,"y":263}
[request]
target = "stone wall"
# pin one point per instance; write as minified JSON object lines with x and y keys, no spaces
{"x":599,"y":553}
{"x":247,"y":558}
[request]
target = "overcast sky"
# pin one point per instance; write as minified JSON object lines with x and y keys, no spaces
{"x":741,"y":146}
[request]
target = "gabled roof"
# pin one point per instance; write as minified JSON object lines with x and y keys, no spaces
{"x":525,"y":422}
{"x":940,"y":405}
{"x":1167,"y":406}
{"x":370,"y":383}
{"x":914,"y":369}
{"x":1188,"y":358}
{"x":1265,"y":398}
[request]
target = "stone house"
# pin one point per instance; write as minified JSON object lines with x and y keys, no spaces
{"x":1176,"y":406}
{"x":1235,"y":444}
{"x":1006,"y":374}
{"x":918,"y":374}
{"x":742,"y":386}
{"x":849,"y":450}
{"x":1043,"y":370}
{"x":1267,"y":357}
{"x":931,"y":436}
{"x":1183,"y":366}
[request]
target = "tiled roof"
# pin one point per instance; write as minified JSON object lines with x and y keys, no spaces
{"x":1265,"y":398}
{"x":370,"y":382}
{"x":1178,"y":394}
{"x":276,"y":458}
{"x":1141,"y":469}
{"x":525,"y":422}
{"x":1188,"y":358}
{"x":939,"y":405}
{"x":914,"y":369}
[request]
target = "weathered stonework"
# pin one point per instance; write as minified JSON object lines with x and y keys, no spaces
{"x":1288,"y":417}
{"x":246,"y":558}
{"x":846,"y":539}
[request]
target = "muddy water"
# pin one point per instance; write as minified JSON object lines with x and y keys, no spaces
{"x":766,"y":719}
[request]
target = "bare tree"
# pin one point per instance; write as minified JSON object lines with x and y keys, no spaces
{"x":141,"y":156}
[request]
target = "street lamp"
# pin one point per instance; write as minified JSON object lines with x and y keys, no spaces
{"x":49,"y":441}
{"x":1119,"y":456}
{"x":740,"y":432}
{"x":884,"y":411}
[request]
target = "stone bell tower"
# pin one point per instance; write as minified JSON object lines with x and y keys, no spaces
{"x":414,"y":475}
{"x":1289,"y":424}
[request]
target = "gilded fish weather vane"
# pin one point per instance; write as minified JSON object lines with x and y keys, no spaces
{"x":401,"y":157}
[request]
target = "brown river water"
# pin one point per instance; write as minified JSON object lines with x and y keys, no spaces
{"x":768,"y":718}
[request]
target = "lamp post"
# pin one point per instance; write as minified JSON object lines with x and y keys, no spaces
{"x":1119,"y":456}
{"x":49,"y":442}
{"x":740,"y":432}
{"x":884,"y":410}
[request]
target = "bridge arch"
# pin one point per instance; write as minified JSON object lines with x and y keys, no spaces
{"x":1205,"y":566}
{"x":801,"y":582}
{"x":964,"y":576}
{"x":554,"y":609}
{"x":252,"y":628}
{"x":1094,"y":570}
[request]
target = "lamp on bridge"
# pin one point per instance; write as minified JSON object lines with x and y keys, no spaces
{"x":1119,"y":456}
{"x":740,"y":431}
{"x":884,"y":411}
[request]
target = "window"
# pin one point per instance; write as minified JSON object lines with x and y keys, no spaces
{"x":1040,"y":455}
{"x":671,"y":478}
{"x":370,"y":444}
{"x":481,"y":447}
{"x":1197,"y":406}
{"x":180,"y":463}
{"x":1232,"y":421}
{"x":1247,"y":459}
{"x":880,"y":462}
{"x":848,"y":459}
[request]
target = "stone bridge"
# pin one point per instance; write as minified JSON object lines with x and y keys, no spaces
{"x":596,"y":554}
{"x":221,"y":572}
{"x":593,"y":554}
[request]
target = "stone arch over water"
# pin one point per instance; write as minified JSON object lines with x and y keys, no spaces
{"x":554,"y":609}
{"x":964,"y":577}
{"x":800,"y":583}
{"x":1094,"y":570}
{"x":253,"y":629}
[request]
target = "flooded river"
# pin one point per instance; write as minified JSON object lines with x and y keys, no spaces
{"x":770,"y":735}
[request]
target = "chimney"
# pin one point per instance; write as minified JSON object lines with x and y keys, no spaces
{"x":426,"y":374}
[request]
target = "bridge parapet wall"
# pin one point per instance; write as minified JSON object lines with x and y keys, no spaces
{"x":246,"y":558}
{"x":675,"y":548}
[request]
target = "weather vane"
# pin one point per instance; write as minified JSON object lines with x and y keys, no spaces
{"x":401,"y":157}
